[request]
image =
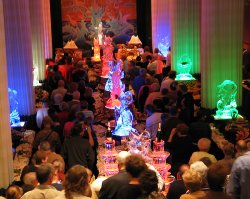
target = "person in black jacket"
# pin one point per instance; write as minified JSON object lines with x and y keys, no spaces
{"x":77,"y":150}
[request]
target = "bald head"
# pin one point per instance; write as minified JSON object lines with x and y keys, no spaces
{"x":241,"y":146}
{"x":121,"y":159}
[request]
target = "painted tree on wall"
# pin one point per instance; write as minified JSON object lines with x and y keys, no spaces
{"x":82,"y":17}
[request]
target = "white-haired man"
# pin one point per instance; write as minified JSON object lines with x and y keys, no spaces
{"x":204,"y":146}
{"x":112,"y":185}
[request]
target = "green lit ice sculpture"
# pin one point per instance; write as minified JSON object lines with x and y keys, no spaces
{"x":184,"y":67}
{"x":226,"y":104}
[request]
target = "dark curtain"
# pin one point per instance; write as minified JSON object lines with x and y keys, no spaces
{"x":56,"y":24}
{"x":143,"y":9}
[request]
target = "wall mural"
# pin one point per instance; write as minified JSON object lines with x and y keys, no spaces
{"x":81,"y":18}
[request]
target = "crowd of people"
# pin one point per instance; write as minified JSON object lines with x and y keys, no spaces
{"x":65,"y":146}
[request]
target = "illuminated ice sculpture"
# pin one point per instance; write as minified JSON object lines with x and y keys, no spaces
{"x":123,"y":116}
{"x":184,"y":67}
{"x":226,"y":104}
{"x":107,"y":55}
{"x":96,"y":49}
{"x":14,"y":115}
{"x":114,"y":84}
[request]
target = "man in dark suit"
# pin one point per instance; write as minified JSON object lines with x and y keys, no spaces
{"x":112,"y":185}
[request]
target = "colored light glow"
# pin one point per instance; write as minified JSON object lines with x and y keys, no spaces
{"x":124,"y":117}
{"x":14,"y":115}
{"x":35,"y":77}
{"x":226,"y":104}
{"x":96,"y":47}
{"x":160,"y":15}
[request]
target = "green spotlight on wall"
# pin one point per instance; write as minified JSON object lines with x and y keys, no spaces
{"x":184,"y":67}
{"x":226,"y":105}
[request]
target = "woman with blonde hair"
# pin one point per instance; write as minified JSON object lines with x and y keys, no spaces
{"x":76,"y":184}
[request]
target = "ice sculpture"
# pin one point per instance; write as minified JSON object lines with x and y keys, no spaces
{"x":96,"y":57}
{"x":100,"y":34}
{"x":226,"y":104}
{"x":14,"y":115}
{"x":124,"y":117}
{"x":163,"y":45}
{"x":35,"y":77}
{"x":114,"y":84}
{"x":184,"y":67}
{"x":107,"y":56}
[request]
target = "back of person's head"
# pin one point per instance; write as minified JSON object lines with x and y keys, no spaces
{"x":76,"y":95}
{"x":80,"y":116}
{"x":204,"y":144}
{"x":84,"y":104}
{"x":64,"y":106}
{"x":44,"y":173}
{"x":77,"y":129}
{"x":183,"y":88}
{"x":241,"y":146}
{"x":55,"y":68}
{"x":135,"y":164}
{"x":182,"y":169}
{"x":121,"y":158}
{"x":156,"y":50}
{"x":192,"y":180}
{"x":76,"y":181}
{"x":138,"y":58}
{"x":61,"y":83}
{"x":44,"y":146}
{"x":228,"y":149}
{"x":40,"y":157}
{"x":47,"y":121}
{"x":173,"y":111}
{"x":146,"y":49}
{"x":164,"y":91}
{"x":201,"y":168}
{"x":148,"y":181}
{"x":172,"y":74}
{"x":149,"y":57}
{"x":216,"y":176}
{"x":207,"y":161}
{"x":14,"y":192}
{"x":155,"y":87}
{"x":150,"y":109}
{"x":173,"y":86}
{"x":30,"y":179}
{"x":147,"y":81}
{"x":182,"y":129}
{"x":143,"y":72}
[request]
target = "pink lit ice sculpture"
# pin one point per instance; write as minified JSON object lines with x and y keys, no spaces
{"x":114,"y":84}
{"x":107,"y":55}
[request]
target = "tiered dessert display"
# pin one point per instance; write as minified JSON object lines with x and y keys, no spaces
{"x":159,"y":157}
{"x":109,"y":156}
{"x":107,"y":56}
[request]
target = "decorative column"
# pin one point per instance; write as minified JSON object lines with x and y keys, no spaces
{"x":6,"y":158}
{"x":41,"y":34}
{"x":185,"y":32}
{"x":160,"y":25}
{"x":221,"y":47}
{"x":19,"y":52}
